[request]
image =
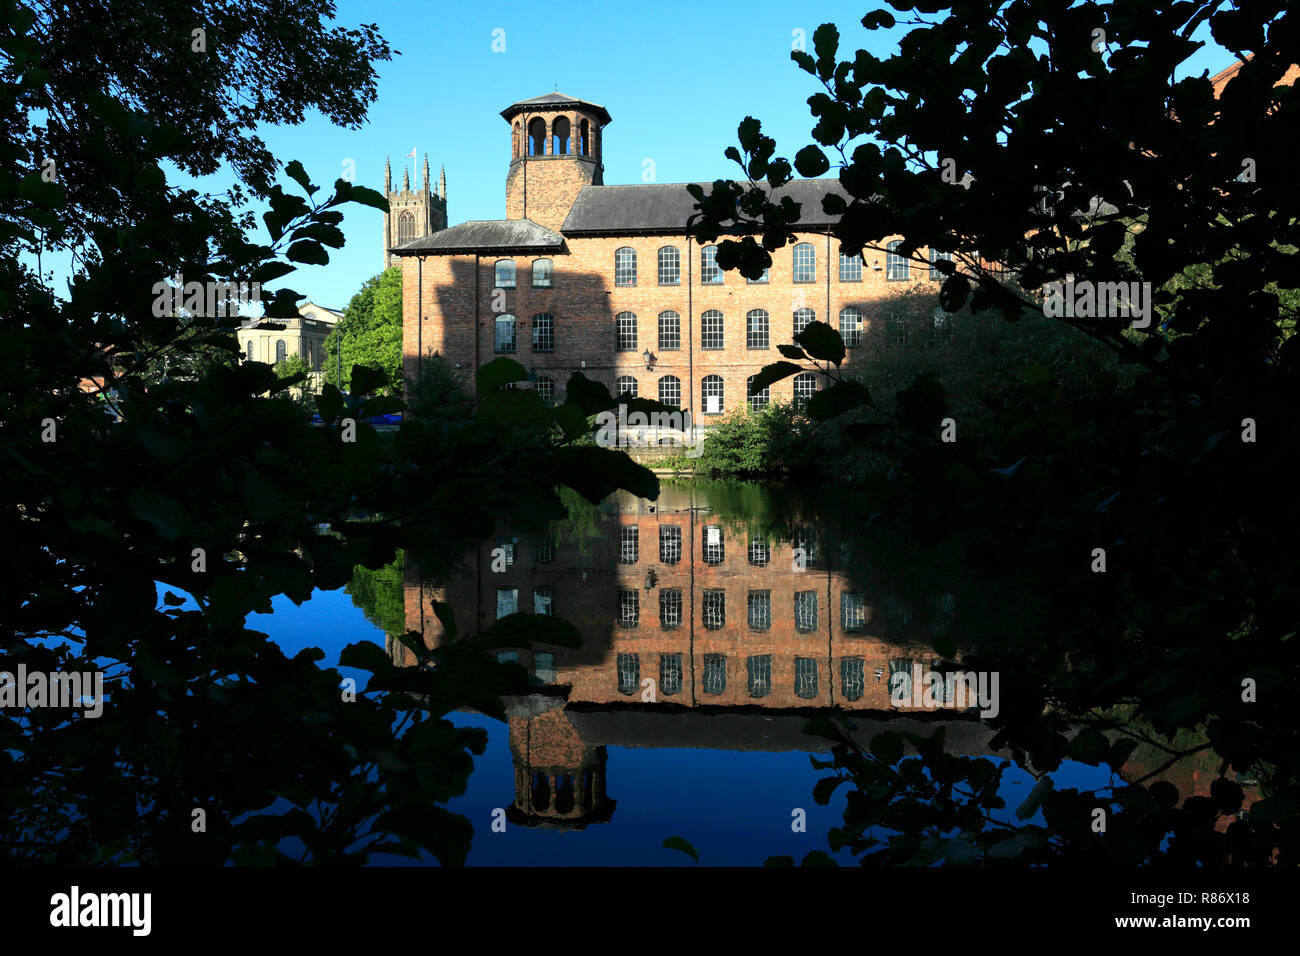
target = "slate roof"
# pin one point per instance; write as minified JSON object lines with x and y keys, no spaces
{"x":665,"y":207}
{"x":487,"y":235}
{"x":555,"y":101}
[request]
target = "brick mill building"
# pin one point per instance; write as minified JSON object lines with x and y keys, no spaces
{"x":602,"y":279}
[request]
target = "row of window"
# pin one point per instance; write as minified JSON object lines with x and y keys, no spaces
{"x":758,"y":330}
{"x":714,"y":550}
{"x":313,"y":356}
{"x":804,"y":263}
{"x":713,"y":610}
{"x":561,"y":137}
{"x":758,"y":673}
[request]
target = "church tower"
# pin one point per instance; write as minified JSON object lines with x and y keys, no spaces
{"x":555,"y":150}
{"x":412,"y":213}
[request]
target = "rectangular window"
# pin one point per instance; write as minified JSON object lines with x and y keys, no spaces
{"x":850,"y":268}
{"x":714,"y":607}
{"x":507,"y":602}
{"x":853,"y":613}
{"x":504,"y":552}
{"x":900,"y":679}
{"x":624,"y":267}
{"x":544,"y":601}
{"x":670,"y":332}
{"x":896,"y":266}
{"x":760,"y":675}
{"x":629,"y":550}
{"x":629,"y":607}
{"x":544,"y":667}
{"x":670,"y":673}
{"x":711,"y":331}
{"x":805,"y":263}
{"x":853,"y":681}
{"x":714,"y":550}
{"x":760,"y":610}
{"x":670,"y":544}
{"x":805,"y":611}
{"x":756,"y":329}
{"x":543,"y":333}
{"x":936,"y":274}
{"x":670,"y":266}
{"x":760,"y":552}
{"x":715,"y":673}
{"x":629,"y":673}
{"x":710,"y":274}
{"x":670,"y":608}
{"x":805,"y":677}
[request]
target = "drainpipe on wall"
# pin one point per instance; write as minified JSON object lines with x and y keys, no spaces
{"x":419,"y":315}
{"x":828,"y":279}
{"x":476,"y":335}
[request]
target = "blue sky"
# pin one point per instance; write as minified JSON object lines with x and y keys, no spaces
{"x":676,"y":77}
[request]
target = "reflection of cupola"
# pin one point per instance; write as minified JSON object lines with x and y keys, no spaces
{"x":555,"y":150}
{"x":559,"y":780}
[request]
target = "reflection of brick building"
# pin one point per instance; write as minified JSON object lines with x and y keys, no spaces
{"x":583,"y":276}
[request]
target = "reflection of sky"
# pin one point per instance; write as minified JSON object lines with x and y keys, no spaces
{"x":734,"y":807}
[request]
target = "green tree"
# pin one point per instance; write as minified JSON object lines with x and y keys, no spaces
{"x":1087,"y":159}
{"x":370,"y":331}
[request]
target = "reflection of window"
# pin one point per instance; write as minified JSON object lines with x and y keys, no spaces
{"x":507,"y":657}
{"x":852,"y":680}
{"x":760,"y":610}
{"x":629,"y":673}
{"x":670,"y":608}
{"x":900,"y":679}
{"x":806,"y":539}
{"x":628,"y":544}
{"x":853,"y":613}
{"x":507,"y":548}
{"x":805,"y":677}
{"x":759,"y":552}
{"x":670,"y":266}
{"x":544,"y":601}
{"x":544,"y":667}
{"x":629,"y":607}
{"x":714,"y":550}
{"x":760,"y":675}
{"x":670,"y":544}
{"x":544,"y":551}
{"x":805,"y":611}
{"x":715,"y":673}
{"x":715,"y":609}
{"x":670,"y":673}
{"x":507,"y":602}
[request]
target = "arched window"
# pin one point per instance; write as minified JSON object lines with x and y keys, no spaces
{"x":625,"y":386}
{"x":405,"y":227}
{"x":514,"y":140}
{"x":281,"y":351}
{"x":757,"y":400}
{"x":583,"y":148}
{"x":543,"y":332}
{"x":757,"y":328}
{"x":670,"y":391}
{"x":670,"y":266}
{"x":710,"y":274}
{"x":670,"y":331}
{"x":805,"y":262}
{"x":537,"y":136}
{"x":896,"y":266}
{"x":546,"y":389}
{"x":560,"y":136}
{"x":711,"y":330}
{"x":249,"y":350}
{"x":505,"y":334}
{"x":625,"y":266}
{"x":711,"y":392}
{"x":543,"y":274}
{"x":805,"y":384}
{"x":851,"y":327}
{"x":625,"y":332}
{"x":801,"y":319}
{"x":505,"y":274}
